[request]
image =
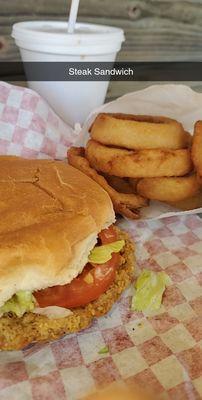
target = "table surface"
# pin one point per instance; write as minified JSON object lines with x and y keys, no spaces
{"x":155,"y":30}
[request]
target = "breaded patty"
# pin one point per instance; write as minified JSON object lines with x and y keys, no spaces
{"x":17,"y":333}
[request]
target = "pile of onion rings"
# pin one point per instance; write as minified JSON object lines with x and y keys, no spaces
{"x":138,"y":158}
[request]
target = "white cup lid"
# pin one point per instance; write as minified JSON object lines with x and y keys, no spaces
{"x":55,"y":33}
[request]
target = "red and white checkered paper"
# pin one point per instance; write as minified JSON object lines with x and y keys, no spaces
{"x":161,"y":351}
{"x":28,"y":126}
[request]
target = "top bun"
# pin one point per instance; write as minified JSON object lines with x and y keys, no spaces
{"x":51,"y":214}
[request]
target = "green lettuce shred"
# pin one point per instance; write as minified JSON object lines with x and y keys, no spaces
{"x":102,"y":254}
{"x":150,"y":287}
{"x":104,"y":350}
{"x":21,"y":302}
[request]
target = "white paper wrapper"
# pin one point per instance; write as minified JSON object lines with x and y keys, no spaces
{"x":175,"y":101}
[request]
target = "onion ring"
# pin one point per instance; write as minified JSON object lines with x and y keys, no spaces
{"x":190,"y":203}
{"x":196,"y":151}
{"x":133,"y":183}
{"x":124,"y":204}
{"x":138,"y":164}
{"x":168,"y":189}
{"x":121,"y":185}
{"x":138,"y":132}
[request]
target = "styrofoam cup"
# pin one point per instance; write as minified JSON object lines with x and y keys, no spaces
{"x":49,"y":41}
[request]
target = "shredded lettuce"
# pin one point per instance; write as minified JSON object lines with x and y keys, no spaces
{"x":102,"y":254}
{"x":150,"y":287}
{"x":22,"y":302}
{"x":104,"y":350}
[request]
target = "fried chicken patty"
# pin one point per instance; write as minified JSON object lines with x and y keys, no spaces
{"x":16,"y":333}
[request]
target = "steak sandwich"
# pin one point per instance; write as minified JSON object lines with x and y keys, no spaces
{"x":62,"y":261}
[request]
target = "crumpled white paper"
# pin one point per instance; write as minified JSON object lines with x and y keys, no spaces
{"x":172,"y":100}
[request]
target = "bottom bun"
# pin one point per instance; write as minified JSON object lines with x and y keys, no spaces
{"x":17,"y":333}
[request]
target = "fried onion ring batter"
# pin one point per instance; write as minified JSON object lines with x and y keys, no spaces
{"x":121,"y":185}
{"x":124,"y":203}
{"x":139,"y":132}
{"x":138,"y":164}
{"x":188,"y":204}
{"x":168,"y":189}
{"x":196,"y":151}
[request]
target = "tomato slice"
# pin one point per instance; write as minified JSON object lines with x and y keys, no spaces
{"x":88,"y":286}
{"x":108,"y":235}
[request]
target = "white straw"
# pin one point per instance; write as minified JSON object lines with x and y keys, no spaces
{"x":73,"y":15}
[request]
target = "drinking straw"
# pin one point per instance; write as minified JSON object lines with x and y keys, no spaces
{"x":73,"y":15}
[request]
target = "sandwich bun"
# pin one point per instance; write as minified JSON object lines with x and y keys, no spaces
{"x":51,"y":214}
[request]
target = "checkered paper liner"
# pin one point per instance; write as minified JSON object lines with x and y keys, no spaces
{"x":29,"y":127}
{"x":160,"y":351}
